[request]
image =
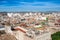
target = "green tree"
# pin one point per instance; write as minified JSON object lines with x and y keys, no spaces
{"x":56,"y":36}
{"x":46,"y":19}
{"x":43,"y":23}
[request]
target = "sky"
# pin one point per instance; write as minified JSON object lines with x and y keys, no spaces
{"x":29,"y":5}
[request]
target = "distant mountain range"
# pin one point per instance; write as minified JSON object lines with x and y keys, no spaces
{"x":33,"y":12}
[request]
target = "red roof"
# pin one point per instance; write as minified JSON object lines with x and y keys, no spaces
{"x":20,"y":30}
{"x":58,"y":20}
